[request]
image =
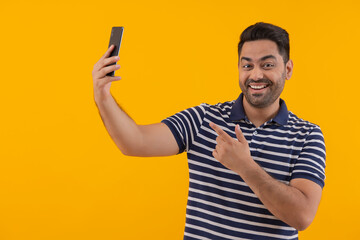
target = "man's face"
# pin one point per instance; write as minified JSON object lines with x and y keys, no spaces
{"x":262,"y":72}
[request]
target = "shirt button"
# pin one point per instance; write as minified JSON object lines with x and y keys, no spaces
{"x":255,"y":133}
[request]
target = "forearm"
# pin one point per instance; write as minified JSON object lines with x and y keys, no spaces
{"x":123,"y":130}
{"x":284,"y":201}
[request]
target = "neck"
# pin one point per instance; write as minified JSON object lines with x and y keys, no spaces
{"x":258,"y":116}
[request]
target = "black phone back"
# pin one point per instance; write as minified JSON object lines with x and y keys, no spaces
{"x":115,"y":39}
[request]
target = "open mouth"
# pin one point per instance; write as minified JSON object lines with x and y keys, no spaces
{"x":258,"y":86}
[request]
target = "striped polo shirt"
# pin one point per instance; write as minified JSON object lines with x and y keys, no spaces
{"x":220,"y":204}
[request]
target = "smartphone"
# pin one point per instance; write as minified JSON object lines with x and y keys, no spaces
{"x":115,"y":39}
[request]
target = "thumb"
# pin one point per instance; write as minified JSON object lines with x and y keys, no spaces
{"x":239,"y":134}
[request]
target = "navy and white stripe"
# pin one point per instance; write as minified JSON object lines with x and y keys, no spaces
{"x":220,"y":204}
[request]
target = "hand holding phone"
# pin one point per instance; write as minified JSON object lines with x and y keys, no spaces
{"x":103,"y":71}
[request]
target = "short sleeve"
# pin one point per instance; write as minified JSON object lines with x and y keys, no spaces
{"x":311,"y":162}
{"x":185,"y":126}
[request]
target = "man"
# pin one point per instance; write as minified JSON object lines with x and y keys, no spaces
{"x":256,"y":169}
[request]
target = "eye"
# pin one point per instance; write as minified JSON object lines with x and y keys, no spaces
{"x":246,"y":66}
{"x":268,"y":65}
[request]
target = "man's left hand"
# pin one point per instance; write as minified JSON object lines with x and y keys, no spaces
{"x":233,"y":154}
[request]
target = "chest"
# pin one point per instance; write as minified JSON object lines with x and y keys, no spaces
{"x":275,"y":149}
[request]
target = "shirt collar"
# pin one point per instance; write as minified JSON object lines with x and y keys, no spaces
{"x":238,"y":113}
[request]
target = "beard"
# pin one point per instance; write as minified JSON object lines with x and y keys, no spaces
{"x":266,"y":98}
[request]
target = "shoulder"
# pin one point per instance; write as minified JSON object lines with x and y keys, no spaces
{"x":222,"y":108}
{"x":299,"y":123}
{"x":307,"y":131}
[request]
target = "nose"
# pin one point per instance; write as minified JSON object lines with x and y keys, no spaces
{"x":256,"y":74}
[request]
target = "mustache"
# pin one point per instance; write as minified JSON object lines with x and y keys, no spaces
{"x":263,"y":80}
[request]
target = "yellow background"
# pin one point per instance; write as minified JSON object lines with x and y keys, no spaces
{"x":61,"y":176}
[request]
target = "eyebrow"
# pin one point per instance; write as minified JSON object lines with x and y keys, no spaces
{"x":261,"y":59}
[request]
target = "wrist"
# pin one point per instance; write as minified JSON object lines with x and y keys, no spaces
{"x":102,"y":98}
{"x":248,"y":167}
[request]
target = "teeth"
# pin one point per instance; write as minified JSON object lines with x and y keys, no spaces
{"x":258,"y":87}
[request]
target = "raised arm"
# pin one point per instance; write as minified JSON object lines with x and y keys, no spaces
{"x":132,"y":139}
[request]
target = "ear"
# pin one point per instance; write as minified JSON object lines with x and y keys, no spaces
{"x":289,"y":69}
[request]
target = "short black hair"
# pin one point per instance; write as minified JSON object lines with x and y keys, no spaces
{"x":267,"y":31}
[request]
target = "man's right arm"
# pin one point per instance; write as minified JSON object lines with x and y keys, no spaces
{"x":132,"y":139}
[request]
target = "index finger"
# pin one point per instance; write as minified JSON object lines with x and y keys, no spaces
{"x":221,"y":132}
{"x":108,"y":52}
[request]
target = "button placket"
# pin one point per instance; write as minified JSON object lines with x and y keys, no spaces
{"x":255,"y":146}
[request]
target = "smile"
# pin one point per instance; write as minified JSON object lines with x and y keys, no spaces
{"x":257,"y":87}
